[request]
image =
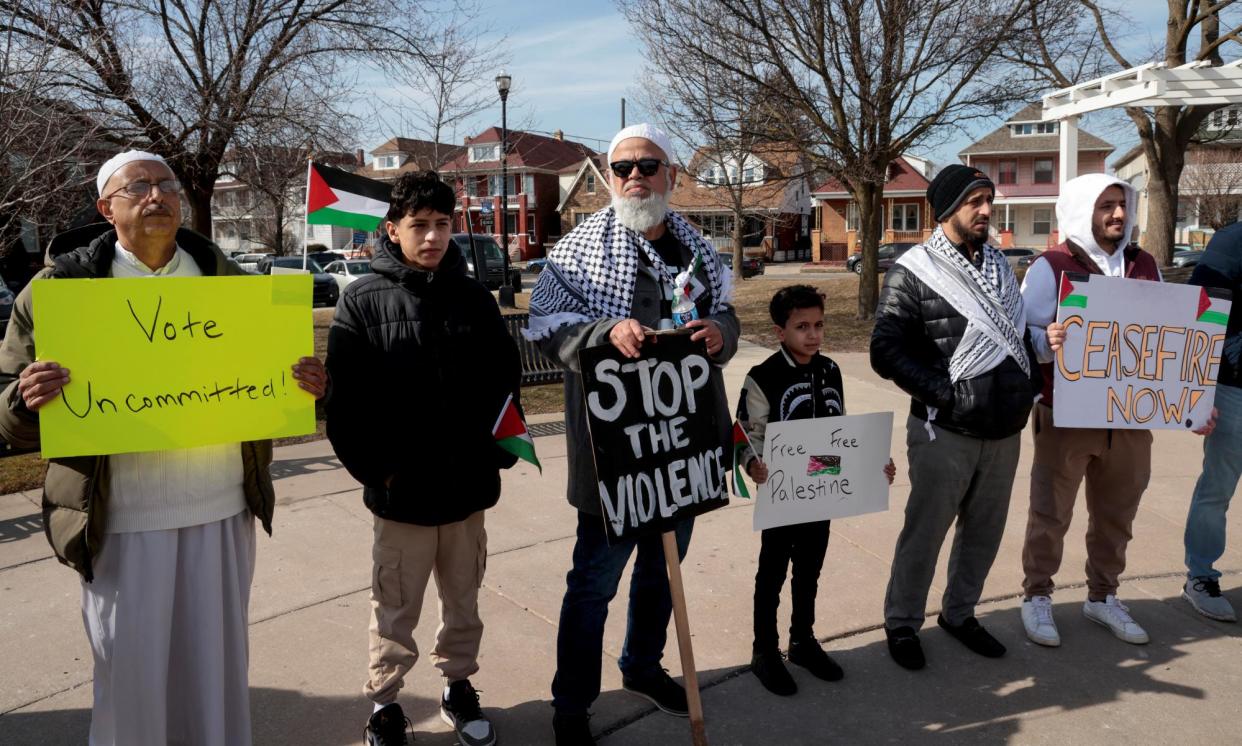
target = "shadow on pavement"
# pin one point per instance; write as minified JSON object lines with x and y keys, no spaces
{"x":16,"y":529}
{"x":297,"y":467}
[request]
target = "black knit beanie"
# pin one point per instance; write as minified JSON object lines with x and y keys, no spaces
{"x":952,"y":185}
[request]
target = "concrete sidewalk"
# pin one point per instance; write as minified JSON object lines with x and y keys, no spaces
{"x":310,"y":609}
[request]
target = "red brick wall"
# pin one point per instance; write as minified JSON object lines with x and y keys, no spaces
{"x":581,"y":202}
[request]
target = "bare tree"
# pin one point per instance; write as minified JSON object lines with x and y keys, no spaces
{"x":44,"y":155}
{"x":1058,"y":28}
{"x":853,"y":82}
{"x":184,"y":77}
{"x":1213,"y":179}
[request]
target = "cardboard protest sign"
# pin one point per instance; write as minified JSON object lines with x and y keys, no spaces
{"x":1137,"y":354}
{"x":659,"y":450}
{"x":824,"y":468}
{"x":173,"y":362}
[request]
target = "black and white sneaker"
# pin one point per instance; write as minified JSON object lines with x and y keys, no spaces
{"x":387,"y":727}
{"x":459,"y":707}
{"x":660,"y":690}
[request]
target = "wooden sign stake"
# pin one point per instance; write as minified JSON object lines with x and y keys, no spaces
{"x":698,"y":730}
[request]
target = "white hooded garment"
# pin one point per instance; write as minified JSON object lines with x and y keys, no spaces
{"x":1075,"y":206}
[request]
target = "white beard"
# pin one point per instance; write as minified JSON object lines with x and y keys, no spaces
{"x":640,"y":213}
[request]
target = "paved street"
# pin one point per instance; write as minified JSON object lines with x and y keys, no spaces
{"x":310,"y":609}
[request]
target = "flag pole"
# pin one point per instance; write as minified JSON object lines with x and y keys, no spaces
{"x":310,"y":164}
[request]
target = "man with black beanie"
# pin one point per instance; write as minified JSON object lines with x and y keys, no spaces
{"x":950,"y":330}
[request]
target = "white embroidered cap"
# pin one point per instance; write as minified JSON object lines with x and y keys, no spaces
{"x":646,"y":131}
{"x":113,"y":164}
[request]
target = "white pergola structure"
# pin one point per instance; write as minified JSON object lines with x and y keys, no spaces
{"x":1153,"y":84}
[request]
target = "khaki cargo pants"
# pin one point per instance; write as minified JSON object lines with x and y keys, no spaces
{"x":405,"y":556}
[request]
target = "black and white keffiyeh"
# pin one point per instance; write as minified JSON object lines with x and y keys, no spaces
{"x":988,"y":297}
{"x":590,"y":273}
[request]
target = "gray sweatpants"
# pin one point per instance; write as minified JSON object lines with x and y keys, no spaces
{"x":951,"y":477}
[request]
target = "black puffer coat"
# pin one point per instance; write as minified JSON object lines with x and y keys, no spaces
{"x":916,"y":332}
{"x":421,"y":364}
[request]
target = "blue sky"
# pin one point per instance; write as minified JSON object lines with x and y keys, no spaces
{"x":572,"y":63}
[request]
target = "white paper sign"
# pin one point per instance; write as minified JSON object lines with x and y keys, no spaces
{"x":828,"y":467}
{"x":1138,"y":355}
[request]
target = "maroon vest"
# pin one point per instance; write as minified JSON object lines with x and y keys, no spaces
{"x":1067,"y":257}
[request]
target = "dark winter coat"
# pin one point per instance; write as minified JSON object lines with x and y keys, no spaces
{"x":421,"y":364}
{"x":1221,"y":267}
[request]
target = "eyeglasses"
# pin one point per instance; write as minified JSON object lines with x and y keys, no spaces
{"x":140,"y":189}
{"x":646,"y":167}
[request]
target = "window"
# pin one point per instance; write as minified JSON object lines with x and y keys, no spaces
{"x":1003,"y":218}
{"x":1226,"y":119}
{"x":528,"y":186}
{"x":590,"y":184}
{"x":1007,"y":172}
{"x":494,"y":183}
{"x":906,"y":217}
{"x":1041,"y":221}
{"x":489,"y":152}
{"x":1043,"y":170}
{"x":748,"y":174}
{"x":985,"y":168}
{"x":580,"y":216}
{"x":1033,"y":128}
{"x":472,"y":187}
{"x":851,"y":217}
{"x":387,"y":162}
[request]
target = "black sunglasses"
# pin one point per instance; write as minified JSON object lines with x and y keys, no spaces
{"x":646,"y":167}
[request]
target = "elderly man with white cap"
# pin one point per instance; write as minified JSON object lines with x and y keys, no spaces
{"x":164,"y":541}
{"x":608,"y":282}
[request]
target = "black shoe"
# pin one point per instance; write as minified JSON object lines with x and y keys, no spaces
{"x":461,"y":710}
{"x":572,"y":729}
{"x":771,"y":672}
{"x":971,"y":634}
{"x":809,"y":655}
{"x":904,"y":646}
{"x":660,"y":690}
{"x":387,"y":727}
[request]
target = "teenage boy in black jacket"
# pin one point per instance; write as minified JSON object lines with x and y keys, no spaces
{"x":421,"y":365}
{"x":795,"y":383}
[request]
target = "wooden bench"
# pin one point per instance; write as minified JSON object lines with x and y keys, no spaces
{"x":536,"y":368}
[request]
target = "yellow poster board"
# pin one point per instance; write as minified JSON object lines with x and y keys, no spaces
{"x":173,"y":362}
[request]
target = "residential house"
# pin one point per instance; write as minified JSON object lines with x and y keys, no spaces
{"x":1210,"y":189}
{"x":776,"y":204}
{"x":535,"y":163}
{"x":1023,"y":158}
{"x":906,"y":215}
{"x":401,"y":155}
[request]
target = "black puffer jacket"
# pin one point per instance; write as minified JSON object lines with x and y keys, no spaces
{"x":916,"y":332}
{"x":421,"y":364}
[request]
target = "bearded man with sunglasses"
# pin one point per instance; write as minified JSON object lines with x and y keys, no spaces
{"x":164,"y":541}
{"x":610,"y":281}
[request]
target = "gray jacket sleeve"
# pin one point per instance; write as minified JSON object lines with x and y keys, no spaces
{"x":565,"y":343}
{"x":730,"y":331}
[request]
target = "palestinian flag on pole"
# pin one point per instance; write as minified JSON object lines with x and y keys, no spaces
{"x":1067,"y":297}
{"x":1212,"y":310}
{"x":740,"y":443}
{"x":511,"y":434}
{"x":336,"y":197}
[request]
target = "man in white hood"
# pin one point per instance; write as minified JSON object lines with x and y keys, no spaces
{"x":1095,"y":213}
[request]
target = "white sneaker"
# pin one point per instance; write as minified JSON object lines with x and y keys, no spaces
{"x":1041,"y":628}
{"x":1113,"y":614}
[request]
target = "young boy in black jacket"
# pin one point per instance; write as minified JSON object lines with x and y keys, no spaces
{"x":795,"y":383}
{"x":421,"y":365}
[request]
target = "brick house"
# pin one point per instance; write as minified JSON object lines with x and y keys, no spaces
{"x":535,"y":164}
{"x":776,"y":201}
{"x":1023,"y":158}
{"x":906,"y":212}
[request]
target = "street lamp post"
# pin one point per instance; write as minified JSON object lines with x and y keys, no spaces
{"x":503,"y":80}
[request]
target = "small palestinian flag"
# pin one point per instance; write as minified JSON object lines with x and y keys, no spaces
{"x":1212,"y":310}
{"x":1067,"y":297}
{"x":511,"y":434}
{"x":740,"y":443}
{"x":823,"y":465}
{"x":336,"y":197}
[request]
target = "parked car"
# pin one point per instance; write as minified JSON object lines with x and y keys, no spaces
{"x":1186,"y":257}
{"x":751,"y":265}
{"x":493,"y":257}
{"x":249,"y":262}
{"x":535,"y":266}
{"x":887,"y":255}
{"x":1015,"y":256}
{"x":324,"y":258}
{"x":345,"y":271}
{"x":326,"y":293}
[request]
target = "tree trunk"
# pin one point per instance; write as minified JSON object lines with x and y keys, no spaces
{"x":199,"y":198}
{"x":738,"y":254}
{"x":870,"y":226}
{"x":1164,"y":172}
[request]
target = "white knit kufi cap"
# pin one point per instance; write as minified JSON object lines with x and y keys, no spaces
{"x":649,"y":132}
{"x":114,"y":164}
